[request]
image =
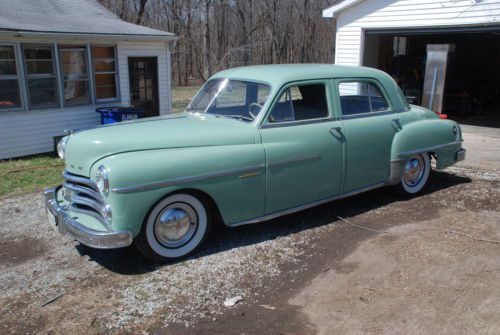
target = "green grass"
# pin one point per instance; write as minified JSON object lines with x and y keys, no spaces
{"x":181,"y":96}
{"x":29,"y":174}
{"x":33,"y":174}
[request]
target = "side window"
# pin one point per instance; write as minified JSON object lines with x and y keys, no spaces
{"x":361,"y":98}
{"x":300,"y":103}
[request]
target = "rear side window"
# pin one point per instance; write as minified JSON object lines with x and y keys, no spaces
{"x":361,"y":98}
{"x":300,"y":103}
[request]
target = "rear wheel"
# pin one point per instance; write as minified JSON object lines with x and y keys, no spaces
{"x":175,"y":228}
{"x":415,"y":174}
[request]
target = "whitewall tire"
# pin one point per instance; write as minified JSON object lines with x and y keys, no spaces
{"x":415,"y":174}
{"x":175,"y":228}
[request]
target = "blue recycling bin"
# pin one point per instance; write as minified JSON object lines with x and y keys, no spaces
{"x":118,"y":114}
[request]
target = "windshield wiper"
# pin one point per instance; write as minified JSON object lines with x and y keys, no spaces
{"x":236,"y":116}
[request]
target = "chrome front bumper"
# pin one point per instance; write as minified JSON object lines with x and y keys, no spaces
{"x":65,"y":224}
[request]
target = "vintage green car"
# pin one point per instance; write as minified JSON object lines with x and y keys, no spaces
{"x":255,"y":143}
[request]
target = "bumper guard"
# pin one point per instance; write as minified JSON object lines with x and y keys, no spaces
{"x":87,"y":236}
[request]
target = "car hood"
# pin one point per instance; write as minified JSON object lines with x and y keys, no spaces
{"x":84,"y":148}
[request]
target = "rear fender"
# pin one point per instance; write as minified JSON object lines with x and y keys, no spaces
{"x":435,"y":136}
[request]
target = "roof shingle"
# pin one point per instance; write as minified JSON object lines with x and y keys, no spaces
{"x":67,"y":17}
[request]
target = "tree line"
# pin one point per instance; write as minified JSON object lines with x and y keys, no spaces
{"x":219,"y":34}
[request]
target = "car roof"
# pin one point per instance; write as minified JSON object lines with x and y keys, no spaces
{"x":278,"y":75}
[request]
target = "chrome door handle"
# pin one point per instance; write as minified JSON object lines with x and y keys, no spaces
{"x":337,"y":132}
{"x":397,"y":123}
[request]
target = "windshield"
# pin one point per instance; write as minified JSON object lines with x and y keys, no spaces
{"x":241,"y":100}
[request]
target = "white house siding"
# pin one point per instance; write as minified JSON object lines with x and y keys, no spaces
{"x":380,"y":14}
{"x":24,"y":132}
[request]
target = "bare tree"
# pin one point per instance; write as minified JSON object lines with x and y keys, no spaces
{"x":218,"y":34}
{"x":140,"y":13}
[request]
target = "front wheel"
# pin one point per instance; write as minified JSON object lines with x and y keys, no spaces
{"x":175,"y":228}
{"x":415,"y":174}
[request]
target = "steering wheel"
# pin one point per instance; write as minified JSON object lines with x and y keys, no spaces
{"x":252,"y":106}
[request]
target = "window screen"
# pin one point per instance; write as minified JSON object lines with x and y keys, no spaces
{"x":41,"y":75}
{"x":361,"y":98}
{"x":75,"y":75}
{"x":9,"y":83}
{"x":300,"y":103}
{"x":104,"y":62}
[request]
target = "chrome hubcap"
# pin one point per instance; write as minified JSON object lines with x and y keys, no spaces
{"x":175,"y":225}
{"x":414,"y":170}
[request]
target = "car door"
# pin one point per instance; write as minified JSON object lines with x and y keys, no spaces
{"x":370,"y":125}
{"x":303,"y":144}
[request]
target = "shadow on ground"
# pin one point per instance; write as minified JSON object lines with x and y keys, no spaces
{"x":128,"y":261}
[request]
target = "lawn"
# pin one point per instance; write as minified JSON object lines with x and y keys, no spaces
{"x":33,"y":174}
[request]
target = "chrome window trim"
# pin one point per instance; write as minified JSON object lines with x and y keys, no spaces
{"x":308,"y":205}
{"x":363,"y":115}
{"x":184,"y":180}
{"x":297,"y":123}
{"x":428,"y":149}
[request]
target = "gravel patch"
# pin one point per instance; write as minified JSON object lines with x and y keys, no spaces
{"x":118,"y":290}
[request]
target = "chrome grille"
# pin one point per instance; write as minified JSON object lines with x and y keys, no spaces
{"x":83,"y":195}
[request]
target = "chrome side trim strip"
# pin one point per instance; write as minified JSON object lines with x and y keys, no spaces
{"x":308,"y":205}
{"x":436,"y":147}
{"x":184,"y":180}
{"x":293,"y":160}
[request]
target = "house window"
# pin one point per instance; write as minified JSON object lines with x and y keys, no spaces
{"x":104,"y":61}
{"x":9,"y":83}
{"x":41,"y":75}
{"x":74,"y":74}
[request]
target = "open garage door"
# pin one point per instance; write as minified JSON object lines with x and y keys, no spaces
{"x":472,"y":83}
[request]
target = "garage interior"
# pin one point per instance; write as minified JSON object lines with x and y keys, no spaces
{"x":471,"y":92}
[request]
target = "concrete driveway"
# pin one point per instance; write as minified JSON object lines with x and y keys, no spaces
{"x":426,"y":265}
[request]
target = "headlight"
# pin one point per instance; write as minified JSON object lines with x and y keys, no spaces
{"x":61,"y":146}
{"x":102,"y":180}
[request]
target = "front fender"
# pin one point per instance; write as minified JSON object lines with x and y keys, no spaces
{"x":232,"y":175}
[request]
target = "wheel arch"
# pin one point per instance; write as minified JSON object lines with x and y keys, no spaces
{"x":201,"y":195}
